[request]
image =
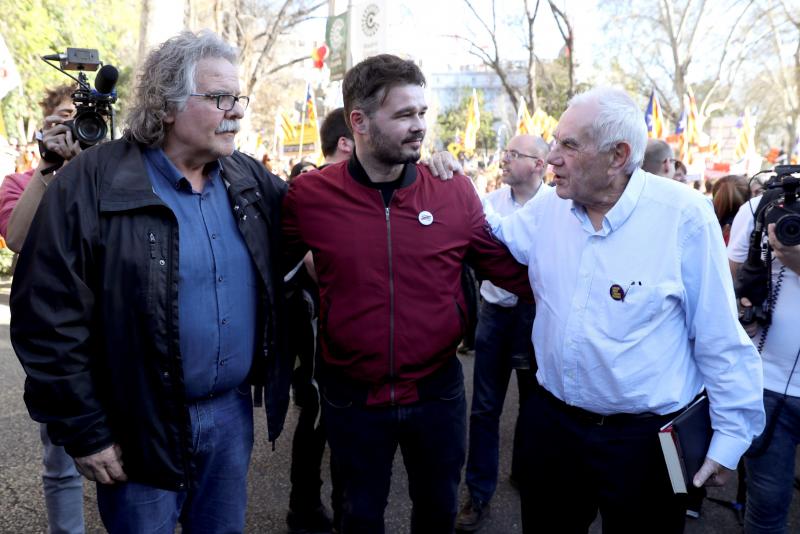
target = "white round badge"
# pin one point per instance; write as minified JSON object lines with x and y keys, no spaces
{"x":425,"y":218}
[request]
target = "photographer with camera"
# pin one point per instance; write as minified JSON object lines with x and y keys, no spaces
{"x":764,"y":252}
{"x":20,"y":195}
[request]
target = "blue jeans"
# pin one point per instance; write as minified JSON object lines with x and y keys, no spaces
{"x":63,"y":488}
{"x":222,"y":440}
{"x":770,"y":466}
{"x":502,"y":332}
{"x":431,"y":434}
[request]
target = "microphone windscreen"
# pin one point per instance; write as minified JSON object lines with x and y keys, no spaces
{"x":106,"y":79}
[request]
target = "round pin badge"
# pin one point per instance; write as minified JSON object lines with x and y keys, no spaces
{"x":616,"y":292}
{"x":425,"y":218}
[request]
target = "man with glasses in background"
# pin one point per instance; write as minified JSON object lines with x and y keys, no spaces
{"x":160,"y":250}
{"x":502,"y":339}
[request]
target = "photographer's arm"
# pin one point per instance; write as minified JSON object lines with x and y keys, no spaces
{"x":734,"y":267}
{"x":20,"y":221}
{"x":56,"y":138}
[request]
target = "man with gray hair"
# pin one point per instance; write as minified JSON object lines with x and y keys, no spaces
{"x":161,"y":252}
{"x":659,"y":159}
{"x":635,"y":316}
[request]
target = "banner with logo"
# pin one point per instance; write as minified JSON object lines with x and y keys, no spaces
{"x":337,"y":38}
{"x":368,"y":29}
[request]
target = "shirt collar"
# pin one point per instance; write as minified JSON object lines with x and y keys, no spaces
{"x":357,"y":171}
{"x":620,"y":211}
{"x":161,"y":163}
{"x":514,"y":198}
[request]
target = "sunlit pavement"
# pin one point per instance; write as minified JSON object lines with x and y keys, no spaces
{"x":22,"y":508}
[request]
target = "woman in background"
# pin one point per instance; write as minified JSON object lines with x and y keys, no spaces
{"x":728,"y":194}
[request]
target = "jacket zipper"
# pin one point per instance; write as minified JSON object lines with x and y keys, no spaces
{"x":391,"y":306}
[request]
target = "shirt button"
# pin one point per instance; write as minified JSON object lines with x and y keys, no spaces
{"x":219,"y":279}
{"x":213,"y":236}
{"x":165,"y":374}
{"x":224,"y":321}
{"x":162,"y":262}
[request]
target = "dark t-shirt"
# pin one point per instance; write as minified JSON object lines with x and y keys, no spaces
{"x":406,"y":178}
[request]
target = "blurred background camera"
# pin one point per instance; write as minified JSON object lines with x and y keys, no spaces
{"x":94,"y":110}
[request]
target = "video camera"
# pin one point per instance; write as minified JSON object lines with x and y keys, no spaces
{"x":784,"y":211}
{"x":93,"y":106}
{"x":778,"y":205}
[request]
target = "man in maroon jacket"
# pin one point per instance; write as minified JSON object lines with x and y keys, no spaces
{"x":389,"y":241}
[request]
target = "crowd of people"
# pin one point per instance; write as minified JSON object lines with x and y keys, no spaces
{"x":167,"y":283}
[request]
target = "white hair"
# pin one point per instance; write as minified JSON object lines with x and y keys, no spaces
{"x":618,"y":120}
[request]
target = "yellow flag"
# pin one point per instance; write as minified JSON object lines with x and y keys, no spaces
{"x":473,"y":123}
{"x":524,"y":120}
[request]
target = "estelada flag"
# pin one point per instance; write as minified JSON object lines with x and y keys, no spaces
{"x":311,"y":107}
{"x":654,"y":117}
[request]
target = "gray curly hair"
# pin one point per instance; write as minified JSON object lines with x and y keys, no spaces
{"x":166,"y":80}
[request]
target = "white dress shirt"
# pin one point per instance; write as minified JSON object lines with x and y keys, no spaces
{"x":502,"y":201}
{"x":783,"y":341}
{"x":676,"y":327}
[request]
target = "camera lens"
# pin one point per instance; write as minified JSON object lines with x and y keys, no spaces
{"x":90,"y":128}
{"x":787,"y":230}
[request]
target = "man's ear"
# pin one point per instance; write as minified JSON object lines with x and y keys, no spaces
{"x":620,"y":155}
{"x":345,"y":145}
{"x":359,"y":122}
{"x":169,"y":117}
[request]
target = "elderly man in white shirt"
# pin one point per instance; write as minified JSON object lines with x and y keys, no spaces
{"x":635,"y":317}
{"x":502,"y":339}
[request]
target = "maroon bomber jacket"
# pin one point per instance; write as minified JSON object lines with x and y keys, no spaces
{"x":392,"y":310}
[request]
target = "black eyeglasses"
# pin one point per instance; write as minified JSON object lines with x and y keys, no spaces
{"x":226,"y":102}
{"x":514,"y":155}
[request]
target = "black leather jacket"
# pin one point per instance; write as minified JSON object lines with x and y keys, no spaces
{"x":94,"y":308}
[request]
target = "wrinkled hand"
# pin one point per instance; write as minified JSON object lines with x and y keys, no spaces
{"x":58,"y":138}
{"x":752,"y":328}
{"x":789,"y":256}
{"x":712,"y":474}
{"x":104,"y":467}
{"x":443,"y":165}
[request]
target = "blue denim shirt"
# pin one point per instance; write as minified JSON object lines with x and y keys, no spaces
{"x":217,"y":294}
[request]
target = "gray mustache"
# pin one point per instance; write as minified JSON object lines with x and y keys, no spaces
{"x":228,"y":126}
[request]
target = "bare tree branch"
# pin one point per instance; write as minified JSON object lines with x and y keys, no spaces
{"x":565,"y":29}
{"x":282,"y":66}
